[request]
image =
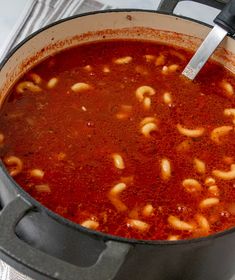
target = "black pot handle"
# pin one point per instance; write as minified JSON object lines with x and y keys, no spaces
{"x":11,"y":248}
{"x":168,"y":6}
{"x":226,"y":18}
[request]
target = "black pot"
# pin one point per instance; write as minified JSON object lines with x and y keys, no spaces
{"x":43,"y":245}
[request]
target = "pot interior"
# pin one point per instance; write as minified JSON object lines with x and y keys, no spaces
{"x":138,"y":25}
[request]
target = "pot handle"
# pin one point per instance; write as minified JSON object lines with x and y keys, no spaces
{"x":226,"y":18}
{"x":168,"y":6}
{"x":11,"y":248}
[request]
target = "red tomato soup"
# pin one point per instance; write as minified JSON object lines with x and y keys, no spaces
{"x":111,"y":136}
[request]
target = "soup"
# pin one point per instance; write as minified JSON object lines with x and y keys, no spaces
{"x":111,"y":136}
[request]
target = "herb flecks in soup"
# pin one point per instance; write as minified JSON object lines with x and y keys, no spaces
{"x":111,"y":136}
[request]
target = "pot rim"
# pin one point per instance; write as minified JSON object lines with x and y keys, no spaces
{"x":36,"y":204}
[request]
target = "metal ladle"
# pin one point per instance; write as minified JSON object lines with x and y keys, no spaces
{"x":224,"y":24}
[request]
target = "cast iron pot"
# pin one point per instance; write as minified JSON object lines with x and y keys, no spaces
{"x":43,"y":245}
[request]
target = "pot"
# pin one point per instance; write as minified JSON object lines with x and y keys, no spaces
{"x":43,"y":245}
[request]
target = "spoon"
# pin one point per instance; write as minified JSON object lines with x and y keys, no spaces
{"x":224,"y":24}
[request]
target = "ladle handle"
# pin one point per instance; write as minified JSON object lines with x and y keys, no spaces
{"x":226,"y":18}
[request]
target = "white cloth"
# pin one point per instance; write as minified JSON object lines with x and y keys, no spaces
{"x":38,"y":13}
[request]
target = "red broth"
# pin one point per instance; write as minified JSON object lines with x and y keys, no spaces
{"x":110,"y":135}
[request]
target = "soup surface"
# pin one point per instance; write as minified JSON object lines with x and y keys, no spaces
{"x":111,"y":136}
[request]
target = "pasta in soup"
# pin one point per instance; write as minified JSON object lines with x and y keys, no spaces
{"x":111,"y":136}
